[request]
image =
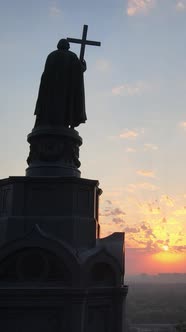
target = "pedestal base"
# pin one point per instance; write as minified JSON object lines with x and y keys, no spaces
{"x":56,"y":274}
{"x":52,"y":169}
{"x":66,"y":207}
{"x":54,"y":152}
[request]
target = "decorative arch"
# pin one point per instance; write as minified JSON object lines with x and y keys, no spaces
{"x":102,"y":270}
{"x":37,"y":257}
{"x":30,"y":264}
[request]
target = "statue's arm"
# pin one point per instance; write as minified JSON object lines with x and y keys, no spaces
{"x":83,"y":65}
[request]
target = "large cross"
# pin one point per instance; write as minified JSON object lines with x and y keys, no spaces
{"x":83,"y":42}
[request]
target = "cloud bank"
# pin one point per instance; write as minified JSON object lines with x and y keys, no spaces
{"x":136,"y":7}
{"x":146,"y":173}
{"x":130,"y":89}
{"x":181,"y":5}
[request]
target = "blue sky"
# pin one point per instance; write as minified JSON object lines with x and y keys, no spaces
{"x":135,"y":136}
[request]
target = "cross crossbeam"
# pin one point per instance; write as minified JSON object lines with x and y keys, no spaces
{"x":83,"y":42}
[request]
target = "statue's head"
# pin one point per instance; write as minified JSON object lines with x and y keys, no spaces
{"x":63,"y":44}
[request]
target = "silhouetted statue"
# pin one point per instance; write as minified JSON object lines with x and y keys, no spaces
{"x":54,"y":144}
{"x":61,"y":99}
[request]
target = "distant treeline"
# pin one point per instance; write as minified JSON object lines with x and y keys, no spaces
{"x":156,"y":303}
{"x":157,"y":278}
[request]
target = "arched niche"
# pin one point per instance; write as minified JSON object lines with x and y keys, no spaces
{"x":102,"y":274}
{"x":102,"y":270}
{"x":34,"y":264}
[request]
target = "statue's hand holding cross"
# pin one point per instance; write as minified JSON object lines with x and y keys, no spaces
{"x":83,"y":42}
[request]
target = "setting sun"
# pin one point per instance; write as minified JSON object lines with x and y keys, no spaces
{"x":165,"y":248}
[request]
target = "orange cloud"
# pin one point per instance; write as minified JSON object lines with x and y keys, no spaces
{"x":130,"y":89}
{"x":129,"y":134}
{"x":109,"y":211}
{"x":136,"y":7}
{"x":149,"y":146}
{"x":149,"y":208}
{"x":180,"y":212}
{"x":168,"y":201}
{"x":118,"y":220}
{"x":147,"y":173}
{"x":130,"y":150}
{"x":131,"y":229}
{"x":183,"y":124}
{"x":179,"y":248}
{"x":141,"y":186}
{"x":156,"y":226}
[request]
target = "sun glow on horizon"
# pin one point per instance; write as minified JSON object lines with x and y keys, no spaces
{"x":165,"y":248}
{"x":167,"y":257}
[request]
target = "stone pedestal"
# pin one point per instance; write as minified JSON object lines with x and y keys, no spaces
{"x":65,"y":208}
{"x":56,"y":274}
{"x":54,"y":151}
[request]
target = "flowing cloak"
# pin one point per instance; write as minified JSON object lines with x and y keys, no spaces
{"x":61,"y":98}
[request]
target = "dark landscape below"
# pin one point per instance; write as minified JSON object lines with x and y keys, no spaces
{"x":151,"y":303}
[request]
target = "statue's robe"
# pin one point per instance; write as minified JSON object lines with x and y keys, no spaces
{"x":61,"y":99}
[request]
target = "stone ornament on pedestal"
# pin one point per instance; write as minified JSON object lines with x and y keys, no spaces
{"x":54,"y":151}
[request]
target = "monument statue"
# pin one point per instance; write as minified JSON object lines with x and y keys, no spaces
{"x":61,"y":98}
{"x":60,"y":107}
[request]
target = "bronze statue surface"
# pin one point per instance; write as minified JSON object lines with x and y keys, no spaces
{"x":61,"y":97}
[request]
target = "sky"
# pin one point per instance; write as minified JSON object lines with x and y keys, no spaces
{"x":135,"y":135}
